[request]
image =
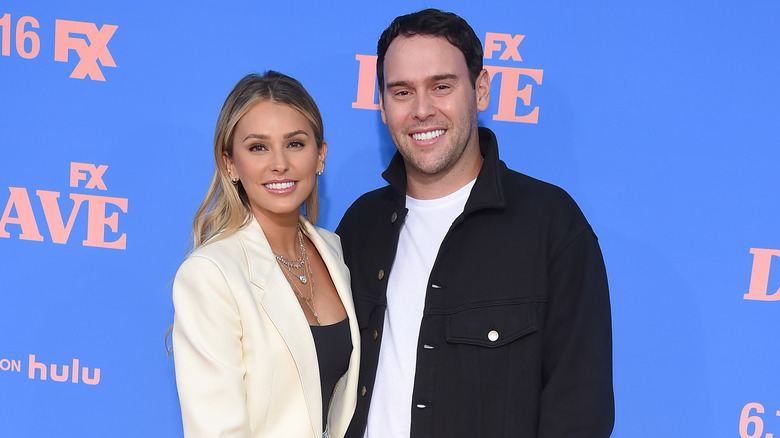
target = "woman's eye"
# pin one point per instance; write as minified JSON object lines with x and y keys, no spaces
{"x":296,"y":144}
{"x":256,"y":147}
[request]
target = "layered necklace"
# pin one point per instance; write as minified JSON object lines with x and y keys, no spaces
{"x":300,"y":271}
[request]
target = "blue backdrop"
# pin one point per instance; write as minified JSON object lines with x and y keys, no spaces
{"x":661,"y":120}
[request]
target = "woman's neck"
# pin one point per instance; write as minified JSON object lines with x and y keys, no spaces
{"x":282,"y":234}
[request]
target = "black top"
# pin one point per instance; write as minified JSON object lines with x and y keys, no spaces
{"x":334,"y":347}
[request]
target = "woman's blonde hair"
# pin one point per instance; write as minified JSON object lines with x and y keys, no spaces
{"x":225,"y":209}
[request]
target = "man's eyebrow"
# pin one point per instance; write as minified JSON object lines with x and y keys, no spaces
{"x":398,"y":84}
{"x":434,"y":78}
{"x":443,"y":77}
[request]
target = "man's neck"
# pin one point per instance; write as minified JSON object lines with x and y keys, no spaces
{"x":446,"y":182}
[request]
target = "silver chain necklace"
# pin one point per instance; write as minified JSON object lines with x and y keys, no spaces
{"x":298,"y":264}
{"x":306,"y":265}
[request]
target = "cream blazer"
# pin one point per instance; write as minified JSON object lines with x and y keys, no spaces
{"x":246,"y":364}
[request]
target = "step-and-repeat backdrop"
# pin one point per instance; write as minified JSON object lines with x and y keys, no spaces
{"x":662,"y":121}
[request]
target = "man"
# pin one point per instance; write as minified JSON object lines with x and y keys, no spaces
{"x":480,"y":292}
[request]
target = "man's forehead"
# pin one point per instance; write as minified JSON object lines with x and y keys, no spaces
{"x":422,"y":41}
{"x":421,"y":58}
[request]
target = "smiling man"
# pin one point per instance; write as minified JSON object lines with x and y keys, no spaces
{"x":481,"y":293}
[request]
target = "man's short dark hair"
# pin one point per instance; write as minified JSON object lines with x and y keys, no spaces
{"x":433,"y":22}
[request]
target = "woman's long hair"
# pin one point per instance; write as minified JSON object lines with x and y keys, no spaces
{"x":225,"y":209}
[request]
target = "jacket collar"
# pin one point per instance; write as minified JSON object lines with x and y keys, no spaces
{"x":487,"y":191}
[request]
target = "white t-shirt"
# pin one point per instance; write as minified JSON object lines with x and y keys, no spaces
{"x":423,"y":230}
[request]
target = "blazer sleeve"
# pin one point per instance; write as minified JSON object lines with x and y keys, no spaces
{"x":207,"y":352}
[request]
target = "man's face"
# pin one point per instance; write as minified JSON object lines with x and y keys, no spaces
{"x":429,"y":104}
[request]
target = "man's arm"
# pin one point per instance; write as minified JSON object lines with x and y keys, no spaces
{"x":577,"y":397}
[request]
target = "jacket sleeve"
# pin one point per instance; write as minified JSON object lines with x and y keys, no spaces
{"x":577,"y":397}
{"x":207,"y":353}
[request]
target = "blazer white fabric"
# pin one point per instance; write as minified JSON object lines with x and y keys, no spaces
{"x":246,"y":364}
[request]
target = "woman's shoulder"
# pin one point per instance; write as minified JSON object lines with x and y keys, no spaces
{"x":217,"y":250}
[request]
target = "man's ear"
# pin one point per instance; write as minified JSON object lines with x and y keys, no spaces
{"x":382,"y":105}
{"x":482,"y":89}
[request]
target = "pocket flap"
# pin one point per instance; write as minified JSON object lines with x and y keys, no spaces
{"x":492,"y":325}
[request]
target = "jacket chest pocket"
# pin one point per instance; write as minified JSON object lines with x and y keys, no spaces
{"x":492,"y":325}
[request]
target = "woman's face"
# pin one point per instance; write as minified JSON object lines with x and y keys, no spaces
{"x":275,"y":156}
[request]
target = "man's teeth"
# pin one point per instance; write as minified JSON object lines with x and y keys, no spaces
{"x":281,"y":185}
{"x":422,"y":136}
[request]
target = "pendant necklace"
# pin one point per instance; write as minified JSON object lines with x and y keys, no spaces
{"x":304,"y":264}
{"x":298,"y":264}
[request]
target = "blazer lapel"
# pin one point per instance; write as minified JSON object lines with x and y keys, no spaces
{"x":339,"y":273}
{"x":277,"y":299}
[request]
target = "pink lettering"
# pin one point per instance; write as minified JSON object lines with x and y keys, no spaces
{"x":51,"y":209}
{"x":89,"y":53}
{"x":75,"y":378}
{"x":59,"y":377}
{"x":95,"y":172}
{"x":24,"y":215}
{"x":66,"y":372}
{"x":512,"y":42}
{"x":366,"y":92}
{"x":509,"y":93}
{"x":759,"y":277}
{"x":10,"y":365}
{"x":97,"y":220}
{"x":94,"y":380}
{"x":33,"y":365}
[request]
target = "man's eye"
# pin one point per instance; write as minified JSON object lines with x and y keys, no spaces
{"x":402,"y":93}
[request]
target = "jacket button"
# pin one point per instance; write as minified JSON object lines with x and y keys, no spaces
{"x":381,"y":274}
{"x":394,"y":217}
{"x":375,"y":334}
{"x":493,"y":336}
{"x":363,"y":391}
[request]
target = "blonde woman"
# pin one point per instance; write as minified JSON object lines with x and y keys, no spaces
{"x":265,"y":338}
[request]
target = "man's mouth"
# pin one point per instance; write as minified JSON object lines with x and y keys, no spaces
{"x":429,"y":135}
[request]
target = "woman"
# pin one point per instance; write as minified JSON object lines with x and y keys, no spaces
{"x":265,"y":338}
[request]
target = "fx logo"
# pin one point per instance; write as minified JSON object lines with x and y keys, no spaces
{"x":91,"y":49}
{"x":512,"y":42}
{"x":79,"y":171}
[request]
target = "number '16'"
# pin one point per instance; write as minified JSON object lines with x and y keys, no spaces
{"x":22,"y":36}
